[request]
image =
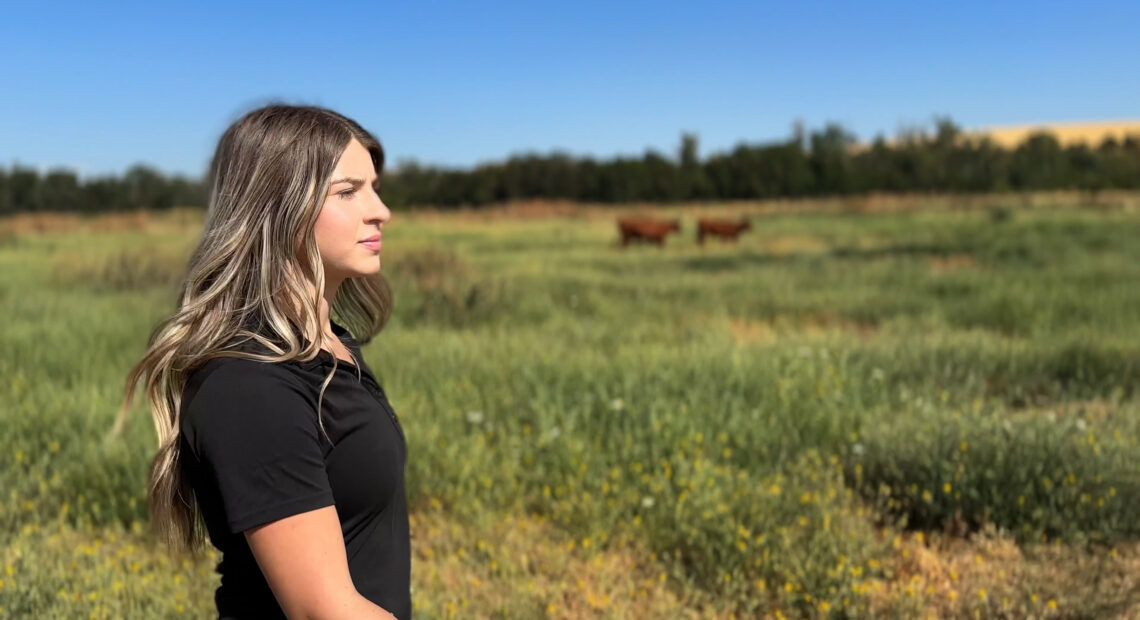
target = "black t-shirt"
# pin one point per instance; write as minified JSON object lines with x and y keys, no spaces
{"x":255,"y":454}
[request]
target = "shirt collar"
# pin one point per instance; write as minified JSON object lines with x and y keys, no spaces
{"x":323,"y":357}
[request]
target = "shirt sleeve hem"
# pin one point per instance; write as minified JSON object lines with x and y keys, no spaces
{"x":280,"y":511}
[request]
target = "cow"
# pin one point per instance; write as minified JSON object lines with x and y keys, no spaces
{"x":647,"y":229}
{"x":725,"y":229}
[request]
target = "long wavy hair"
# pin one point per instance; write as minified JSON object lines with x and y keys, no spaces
{"x":255,"y":274}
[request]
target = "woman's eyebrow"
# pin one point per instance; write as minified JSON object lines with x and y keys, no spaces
{"x":353,"y":180}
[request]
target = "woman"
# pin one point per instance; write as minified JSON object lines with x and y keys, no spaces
{"x":273,"y":433}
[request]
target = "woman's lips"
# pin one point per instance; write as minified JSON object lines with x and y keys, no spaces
{"x":373,"y":245}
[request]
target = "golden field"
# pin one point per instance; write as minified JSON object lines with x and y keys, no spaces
{"x":1067,"y":133}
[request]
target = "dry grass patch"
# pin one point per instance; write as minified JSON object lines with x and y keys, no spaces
{"x":181,"y":219}
{"x":1093,"y":411}
{"x":815,"y":327}
{"x":521,"y":566}
{"x":514,"y":210}
{"x":511,"y":567}
{"x":819,"y":325}
{"x":56,"y":571}
{"x":987,"y":575}
{"x":952,"y":263}
{"x":791,"y":245}
{"x":748,"y":331}
{"x":31,"y":223}
{"x":126,"y":270}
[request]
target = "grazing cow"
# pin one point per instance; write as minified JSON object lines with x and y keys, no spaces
{"x":725,"y":229}
{"x":650,"y":230}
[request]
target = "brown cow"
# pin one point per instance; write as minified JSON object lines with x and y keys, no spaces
{"x":725,"y":229}
{"x":647,"y":229}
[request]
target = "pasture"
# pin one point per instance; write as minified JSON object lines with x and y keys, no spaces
{"x":907,"y":413}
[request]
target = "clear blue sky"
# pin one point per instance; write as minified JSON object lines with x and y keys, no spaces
{"x":99,"y":86}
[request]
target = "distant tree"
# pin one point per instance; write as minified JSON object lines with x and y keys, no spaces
{"x":1039,"y":163}
{"x":1085,"y":168}
{"x":831,"y":159}
{"x":988,"y":167}
{"x":560,"y":177}
{"x":687,"y":154}
{"x":1119,"y":165}
{"x":878,"y":168}
{"x":146,"y":189}
{"x":938,"y":157}
{"x":799,"y":135}
{"x":589,"y":181}
{"x":186,"y":192}
{"x":694,"y":182}
{"x":104,"y":194}
{"x":623,"y":179}
{"x":664,"y":182}
{"x":25,"y":189}
{"x":6,"y":205}
{"x":61,"y":192}
{"x":948,"y":158}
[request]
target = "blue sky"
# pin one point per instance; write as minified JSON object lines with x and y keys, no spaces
{"x":99,"y":86}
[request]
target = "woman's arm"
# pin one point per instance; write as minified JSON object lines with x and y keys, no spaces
{"x":304,"y":561}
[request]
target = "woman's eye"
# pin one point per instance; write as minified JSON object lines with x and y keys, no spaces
{"x":346,"y":193}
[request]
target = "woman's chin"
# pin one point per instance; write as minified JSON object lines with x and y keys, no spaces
{"x":357,"y":270}
{"x":371,"y":269}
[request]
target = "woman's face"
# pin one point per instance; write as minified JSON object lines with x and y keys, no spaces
{"x":351,"y":219}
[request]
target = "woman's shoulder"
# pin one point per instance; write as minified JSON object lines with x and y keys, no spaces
{"x":230,"y":372}
{"x":224,"y":386}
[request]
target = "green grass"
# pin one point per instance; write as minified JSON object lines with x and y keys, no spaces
{"x":751,"y":415}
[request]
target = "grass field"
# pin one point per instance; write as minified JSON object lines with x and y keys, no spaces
{"x":852,"y":412}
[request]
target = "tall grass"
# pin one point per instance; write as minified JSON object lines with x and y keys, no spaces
{"x":755,"y":416}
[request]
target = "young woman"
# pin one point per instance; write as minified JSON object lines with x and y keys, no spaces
{"x":273,"y":434}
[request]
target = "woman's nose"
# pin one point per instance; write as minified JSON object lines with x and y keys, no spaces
{"x":379,"y":211}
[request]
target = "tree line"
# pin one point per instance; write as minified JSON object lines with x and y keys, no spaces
{"x":828,"y":161}
{"x":24,"y":189}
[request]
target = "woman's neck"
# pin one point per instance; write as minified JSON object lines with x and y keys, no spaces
{"x":325,"y":306}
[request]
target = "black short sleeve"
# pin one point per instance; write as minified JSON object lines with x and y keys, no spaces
{"x":254,"y":431}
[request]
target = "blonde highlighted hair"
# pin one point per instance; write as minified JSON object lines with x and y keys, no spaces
{"x":255,"y":265}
